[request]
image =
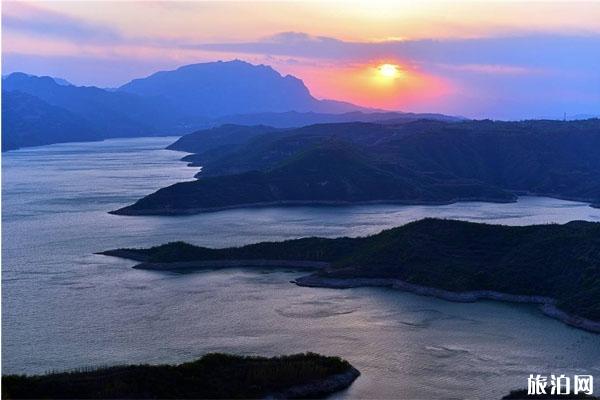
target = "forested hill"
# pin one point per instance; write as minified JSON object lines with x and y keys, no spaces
{"x":420,"y":162}
{"x":557,"y":261}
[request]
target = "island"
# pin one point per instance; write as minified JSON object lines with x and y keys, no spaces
{"x":555,"y":266}
{"x":415,"y":162}
{"x":214,"y":376}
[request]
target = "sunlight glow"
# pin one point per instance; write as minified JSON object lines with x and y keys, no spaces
{"x":389,"y":70}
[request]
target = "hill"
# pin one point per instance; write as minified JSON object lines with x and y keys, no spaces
{"x":33,"y":122}
{"x":214,"y":376}
{"x":333,"y":172}
{"x":224,"y":137}
{"x":420,"y":162}
{"x":556,"y":265}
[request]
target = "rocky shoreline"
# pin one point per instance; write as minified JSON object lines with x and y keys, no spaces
{"x":547,"y":304}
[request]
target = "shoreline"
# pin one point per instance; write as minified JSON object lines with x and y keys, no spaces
{"x":292,"y":203}
{"x":547,"y":305}
{"x":221,"y":264}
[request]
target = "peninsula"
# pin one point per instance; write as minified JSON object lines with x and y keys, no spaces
{"x":555,"y":266}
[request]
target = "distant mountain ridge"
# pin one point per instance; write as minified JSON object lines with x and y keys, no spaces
{"x":32,"y":120}
{"x":175,"y":102}
{"x":221,"y":88}
{"x":295,"y":119}
{"x":102,"y":114}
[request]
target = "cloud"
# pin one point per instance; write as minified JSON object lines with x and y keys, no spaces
{"x":493,"y":69}
{"x":506,"y":53}
{"x":28,"y":19}
{"x":502,"y":77}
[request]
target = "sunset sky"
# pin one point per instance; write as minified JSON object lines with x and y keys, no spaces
{"x":506,"y":60}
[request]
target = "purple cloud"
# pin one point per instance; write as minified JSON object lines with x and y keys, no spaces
{"x":539,"y":51}
{"x":41,"y":22}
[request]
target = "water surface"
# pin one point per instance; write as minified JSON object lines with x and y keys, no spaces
{"x":64,"y":307}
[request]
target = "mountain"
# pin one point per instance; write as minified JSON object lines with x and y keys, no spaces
{"x":59,"y":81}
{"x":420,"y":162}
{"x":555,"y":265}
{"x":62,"y":82}
{"x":170,"y":102}
{"x":114,"y":114}
{"x":33,"y":122}
{"x":188,"y":98}
{"x":234,"y":87}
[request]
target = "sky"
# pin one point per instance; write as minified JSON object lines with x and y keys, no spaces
{"x":478,"y":59}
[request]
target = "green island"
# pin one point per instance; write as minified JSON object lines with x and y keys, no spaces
{"x":555,"y":266}
{"x":416,"y":162}
{"x":214,"y":376}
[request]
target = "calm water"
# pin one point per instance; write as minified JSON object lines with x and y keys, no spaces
{"x":64,"y":307}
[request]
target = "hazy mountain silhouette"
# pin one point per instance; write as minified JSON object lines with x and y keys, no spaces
{"x":295,"y":119}
{"x":114,"y":114}
{"x":33,"y":122}
{"x":176,"y":102}
{"x":60,"y":81}
{"x":234,"y":87}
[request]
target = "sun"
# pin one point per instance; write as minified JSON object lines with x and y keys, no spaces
{"x":388,"y":70}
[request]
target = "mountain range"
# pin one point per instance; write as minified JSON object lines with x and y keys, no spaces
{"x":166,"y":103}
{"x":419,"y":162}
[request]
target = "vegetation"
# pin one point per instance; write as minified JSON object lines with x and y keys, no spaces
{"x":416,"y":162}
{"x":558,"y":261}
{"x":218,"y":138}
{"x":214,"y":376}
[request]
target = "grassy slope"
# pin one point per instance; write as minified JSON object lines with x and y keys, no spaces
{"x":214,"y":376}
{"x":559,"y":261}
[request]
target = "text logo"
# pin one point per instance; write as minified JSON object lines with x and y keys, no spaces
{"x":560,"y":384}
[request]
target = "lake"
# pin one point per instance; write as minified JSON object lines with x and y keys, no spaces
{"x":65,"y":307}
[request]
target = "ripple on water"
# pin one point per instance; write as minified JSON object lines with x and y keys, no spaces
{"x":65,"y":307}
